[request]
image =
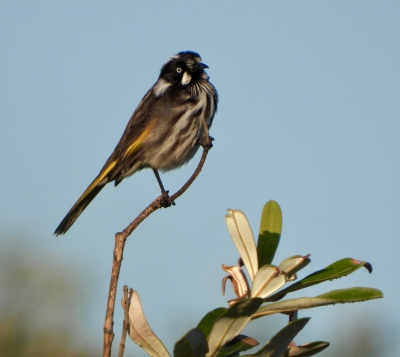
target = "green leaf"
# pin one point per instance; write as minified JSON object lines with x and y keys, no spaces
{"x":242,"y":236}
{"x":193,"y":344}
{"x":310,"y":349}
{"x":342,"y":296}
{"x":231,"y":323}
{"x":140,"y":331}
{"x":207,"y":322}
{"x":267,"y":280}
{"x":336,"y":270}
{"x":237,"y":344}
{"x":355,"y":294}
{"x":270,"y":233}
{"x":279,"y":343}
{"x":293,"y":264}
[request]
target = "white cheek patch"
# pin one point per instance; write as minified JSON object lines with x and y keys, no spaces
{"x":186,"y":78}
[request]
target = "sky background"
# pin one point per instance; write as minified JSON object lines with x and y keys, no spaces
{"x":308,"y":116}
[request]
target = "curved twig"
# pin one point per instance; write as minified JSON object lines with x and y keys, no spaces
{"x":121,"y":237}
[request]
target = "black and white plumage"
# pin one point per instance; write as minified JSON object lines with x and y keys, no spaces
{"x":164,"y":130}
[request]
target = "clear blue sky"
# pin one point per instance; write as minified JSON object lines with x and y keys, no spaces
{"x":309,"y":116}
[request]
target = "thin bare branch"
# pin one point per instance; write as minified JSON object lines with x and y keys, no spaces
{"x":125,"y":325}
{"x":121,"y":237}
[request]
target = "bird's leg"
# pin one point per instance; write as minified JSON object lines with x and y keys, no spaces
{"x":165,"y":197}
{"x":206,"y":140}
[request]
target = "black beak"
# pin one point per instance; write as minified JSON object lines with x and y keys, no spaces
{"x":199,"y":66}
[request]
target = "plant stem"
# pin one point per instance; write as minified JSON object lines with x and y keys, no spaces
{"x":121,"y":237}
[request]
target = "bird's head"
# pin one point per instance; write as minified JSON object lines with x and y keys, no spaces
{"x":183,"y":68}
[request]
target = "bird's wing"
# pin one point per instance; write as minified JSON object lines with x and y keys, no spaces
{"x":134,"y":134}
{"x":130,"y":141}
{"x":154,"y":114}
{"x":136,"y":131}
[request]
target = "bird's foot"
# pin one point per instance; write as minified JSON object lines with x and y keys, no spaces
{"x":165,"y":200}
{"x":206,"y":142}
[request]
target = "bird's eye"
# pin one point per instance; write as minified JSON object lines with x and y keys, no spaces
{"x":179,"y":69}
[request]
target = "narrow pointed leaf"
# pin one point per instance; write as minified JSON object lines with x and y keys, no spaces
{"x":270,"y":233}
{"x":336,"y":270}
{"x":267,"y":280}
{"x":279,"y":343}
{"x":140,"y":331}
{"x":193,"y":344}
{"x":207,"y":322}
{"x":310,"y":349}
{"x":238,"y":344}
{"x":231,"y":323}
{"x":242,"y":236}
{"x":356,"y":294}
{"x":341,"y":296}
{"x":293,"y":264}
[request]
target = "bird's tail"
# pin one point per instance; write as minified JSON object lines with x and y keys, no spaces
{"x":91,"y":192}
{"x":77,"y":209}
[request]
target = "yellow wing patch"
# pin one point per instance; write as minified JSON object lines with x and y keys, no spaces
{"x":96,"y":181}
{"x":133,"y":147}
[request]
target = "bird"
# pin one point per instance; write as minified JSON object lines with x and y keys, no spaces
{"x":163,"y":133}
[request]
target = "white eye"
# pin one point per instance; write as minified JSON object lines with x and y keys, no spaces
{"x":179,"y":69}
